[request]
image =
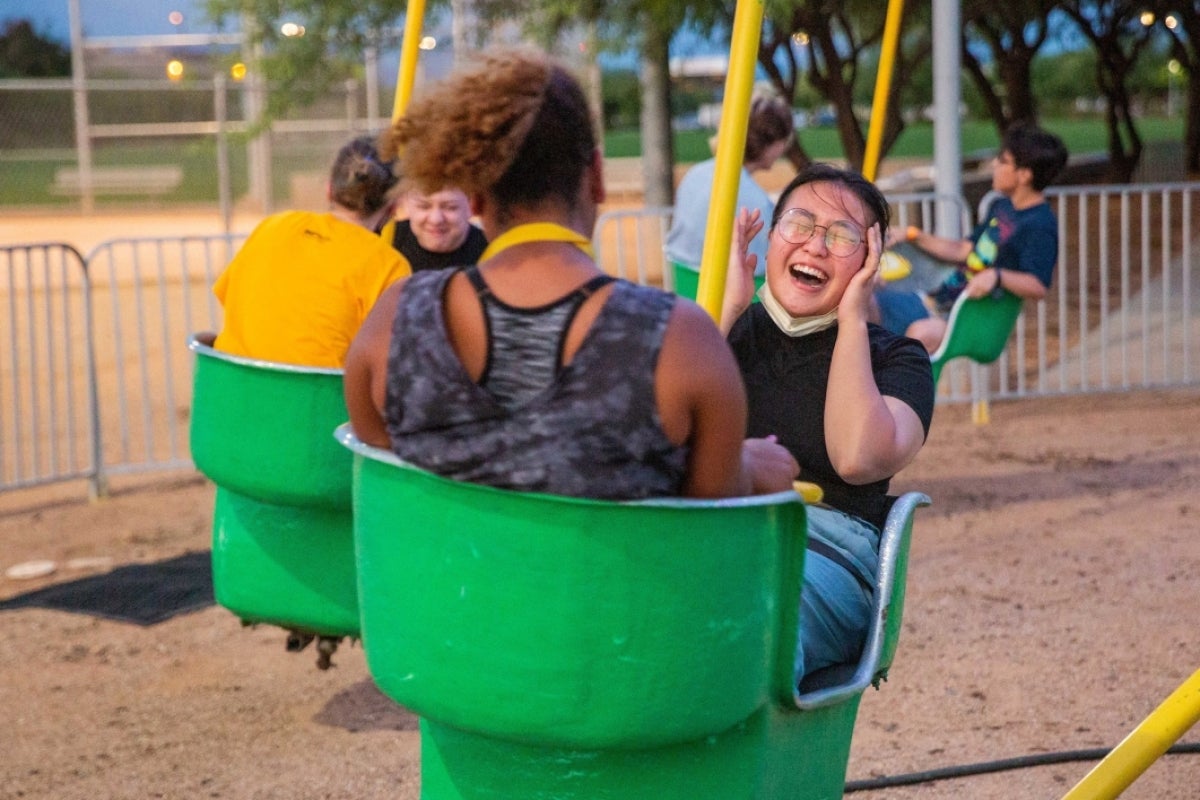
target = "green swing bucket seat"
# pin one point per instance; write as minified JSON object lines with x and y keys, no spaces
{"x":978,"y":329}
{"x":283,"y":546}
{"x":687,"y":280}
{"x":579,"y":649}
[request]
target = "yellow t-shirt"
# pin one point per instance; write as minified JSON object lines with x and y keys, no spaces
{"x":300,"y":287}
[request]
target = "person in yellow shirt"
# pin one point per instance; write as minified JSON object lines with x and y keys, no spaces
{"x":300,"y":287}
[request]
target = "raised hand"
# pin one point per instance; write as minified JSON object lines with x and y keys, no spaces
{"x":739,"y":278}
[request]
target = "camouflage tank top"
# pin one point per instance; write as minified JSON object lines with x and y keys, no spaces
{"x":592,"y":431}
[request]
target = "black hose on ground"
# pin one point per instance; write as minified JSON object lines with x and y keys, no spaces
{"x":1001,"y":765}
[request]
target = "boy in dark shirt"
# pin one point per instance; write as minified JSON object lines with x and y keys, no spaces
{"x":1013,"y":249}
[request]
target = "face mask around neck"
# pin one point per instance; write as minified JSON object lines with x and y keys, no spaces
{"x":793,"y":326}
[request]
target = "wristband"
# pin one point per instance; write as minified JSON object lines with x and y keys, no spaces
{"x":912,"y":233}
{"x":997,"y":288}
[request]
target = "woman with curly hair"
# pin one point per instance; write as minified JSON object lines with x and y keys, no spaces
{"x":536,"y":371}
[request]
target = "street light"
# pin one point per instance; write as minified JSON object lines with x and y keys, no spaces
{"x":175,"y":69}
{"x":1173,"y":69}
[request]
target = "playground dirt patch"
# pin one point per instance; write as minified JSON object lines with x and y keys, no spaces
{"x":1052,"y":605}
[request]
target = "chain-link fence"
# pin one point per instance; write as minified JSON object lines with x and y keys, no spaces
{"x":156,"y":142}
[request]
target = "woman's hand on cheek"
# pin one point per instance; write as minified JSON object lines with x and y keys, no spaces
{"x":856,"y":304}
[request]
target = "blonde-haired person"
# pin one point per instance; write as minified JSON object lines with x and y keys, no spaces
{"x":769,"y":133}
{"x":536,"y":371}
{"x":302,"y":284}
{"x":434,"y":230}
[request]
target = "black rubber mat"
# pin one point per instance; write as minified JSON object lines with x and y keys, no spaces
{"x":143,"y":594}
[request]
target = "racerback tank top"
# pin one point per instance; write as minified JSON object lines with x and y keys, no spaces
{"x":525,"y":345}
{"x":592,"y":431}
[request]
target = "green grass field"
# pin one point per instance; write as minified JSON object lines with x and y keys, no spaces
{"x":1080,"y":136}
{"x":28,"y":180}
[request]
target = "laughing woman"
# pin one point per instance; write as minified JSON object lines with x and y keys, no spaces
{"x":850,"y":401}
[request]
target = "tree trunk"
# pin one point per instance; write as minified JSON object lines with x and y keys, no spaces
{"x":658,"y":152}
{"x":1018,"y":86}
{"x":593,"y":82}
{"x":987,"y":91}
{"x":1122,"y":158}
{"x":1191,"y":127}
{"x":797,"y":155}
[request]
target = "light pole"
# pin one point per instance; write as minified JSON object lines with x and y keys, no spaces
{"x":1173,"y":70}
{"x":83,"y":134}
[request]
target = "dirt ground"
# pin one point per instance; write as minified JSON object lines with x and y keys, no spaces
{"x":1052,"y":605}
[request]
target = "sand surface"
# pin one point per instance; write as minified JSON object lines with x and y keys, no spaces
{"x":1052,"y":605}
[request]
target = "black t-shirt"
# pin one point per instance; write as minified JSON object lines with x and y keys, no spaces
{"x":786,"y":379}
{"x":466,"y":255}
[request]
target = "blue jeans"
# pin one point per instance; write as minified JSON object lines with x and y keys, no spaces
{"x":898,"y":309}
{"x":835,"y":607}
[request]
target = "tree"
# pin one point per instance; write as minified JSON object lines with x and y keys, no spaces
{"x":24,"y":53}
{"x":644,"y":25}
{"x":1181,"y":19}
{"x":1009,"y":38}
{"x":336,"y":34}
{"x":1117,"y":33}
{"x":1063,"y":79}
{"x":828,"y":43}
{"x":658,"y":148}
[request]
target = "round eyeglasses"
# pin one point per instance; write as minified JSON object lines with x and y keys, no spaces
{"x":797,"y":225}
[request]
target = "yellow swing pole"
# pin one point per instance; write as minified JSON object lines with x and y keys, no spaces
{"x":1144,"y":745}
{"x":883,"y":83}
{"x":731,"y":149}
{"x":406,"y":76}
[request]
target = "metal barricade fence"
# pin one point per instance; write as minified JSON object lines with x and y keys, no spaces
{"x":95,"y":378}
{"x":1121,"y":314}
{"x":148,"y":296}
{"x":630,"y":243}
{"x":48,"y":400}
{"x":921,"y":209}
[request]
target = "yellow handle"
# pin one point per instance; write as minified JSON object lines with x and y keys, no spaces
{"x":809,"y":491}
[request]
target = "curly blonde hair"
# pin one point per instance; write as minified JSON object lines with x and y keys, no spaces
{"x":514,"y":125}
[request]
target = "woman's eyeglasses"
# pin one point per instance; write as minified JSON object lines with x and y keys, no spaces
{"x":797,"y":225}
